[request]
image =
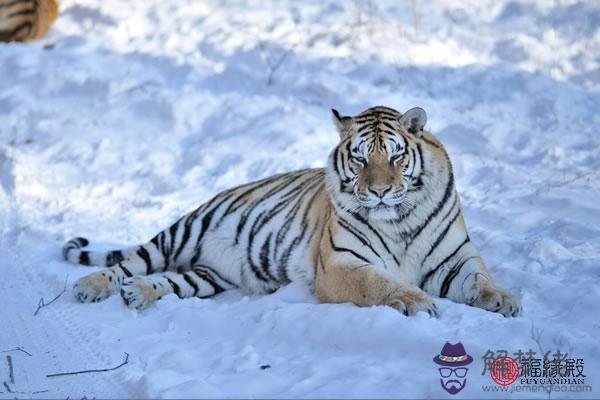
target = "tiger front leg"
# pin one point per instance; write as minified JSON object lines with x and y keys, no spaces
{"x":466,"y":280}
{"x":486,"y":295}
{"x":365,"y":285}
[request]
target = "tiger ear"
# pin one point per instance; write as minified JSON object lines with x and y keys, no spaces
{"x":414,"y":121}
{"x":342,"y":123}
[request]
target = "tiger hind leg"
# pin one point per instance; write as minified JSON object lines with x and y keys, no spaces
{"x":201,"y":281}
{"x":100,"y":285}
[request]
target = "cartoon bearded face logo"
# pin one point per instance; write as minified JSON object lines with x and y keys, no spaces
{"x":452,"y":360}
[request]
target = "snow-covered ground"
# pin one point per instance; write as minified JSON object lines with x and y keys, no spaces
{"x":130,"y":114}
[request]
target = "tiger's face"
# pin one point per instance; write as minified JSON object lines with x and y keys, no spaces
{"x":377,"y":160}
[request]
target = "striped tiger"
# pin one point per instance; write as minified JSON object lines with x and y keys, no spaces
{"x":22,"y":20}
{"x":381,"y":224}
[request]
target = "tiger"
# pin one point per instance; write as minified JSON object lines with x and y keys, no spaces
{"x":380,"y":224}
{"x":22,"y":20}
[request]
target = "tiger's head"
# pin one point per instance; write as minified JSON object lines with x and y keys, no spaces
{"x":378,"y":161}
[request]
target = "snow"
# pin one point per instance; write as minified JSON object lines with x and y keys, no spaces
{"x":128,"y":115}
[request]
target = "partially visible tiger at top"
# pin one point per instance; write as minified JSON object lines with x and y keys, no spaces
{"x":22,"y":20}
{"x":381,"y":224}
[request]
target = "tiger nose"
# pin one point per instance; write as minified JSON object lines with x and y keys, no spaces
{"x":380,"y":191}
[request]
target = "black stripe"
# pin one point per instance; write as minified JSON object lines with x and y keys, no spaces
{"x":81,"y":241}
{"x":14,"y":3}
{"x":451,"y":275}
{"x":84,"y":258}
{"x":338,"y":158}
{"x":253,"y":267}
{"x":253,"y":186}
{"x":154,"y":241}
{"x":125,"y":271}
{"x":186,"y":236}
{"x":414,"y":160}
{"x":175,"y":287}
{"x":409,"y":236}
{"x":257,"y":185}
{"x":191,"y":282}
{"x":173,"y":233}
{"x":114,"y":257}
{"x":421,"y":163}
{"x":362,"y":128}
{"x":214,"y":272}
{"x":385,"y":246}
{"x":376,"y":115}
{"x":264,"y":256}
{"x":390,"y":113}
{"x":11,"y":34}
{"x":208,"y":279}
{"x":18,"y":13}
{"x":255,"y":203}
{"x":353,"y":230}
{"x":278,"y":207}
{"x":345,"y":166}
{"x":434,"y":270}
{"x":216,"y":287}
{"x":417,"y":181}
{"x":389,"y":126}
{"x":159,"y":243}
{"x":163,"y":248}
{"x":336,"y":169}
{"x":143,"y":253}
{"x":366,"y":119}
{"x":345,"y":250}
{"x":291,"y":215}
{"x":356,"y":233}
{"x":206,"y":220}
{"x":73,"y":244}
{"x":442,"y":235}
{"x":298,"y":239}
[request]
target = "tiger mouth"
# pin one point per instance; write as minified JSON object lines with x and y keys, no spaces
{"x":380,"y":206}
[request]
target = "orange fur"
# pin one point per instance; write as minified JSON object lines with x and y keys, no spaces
{"x":22,"y":20}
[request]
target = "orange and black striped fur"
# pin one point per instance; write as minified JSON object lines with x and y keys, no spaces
{"x":22,"y":20}
{"x":380,"y":225}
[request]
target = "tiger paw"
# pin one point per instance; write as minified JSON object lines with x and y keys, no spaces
{"x":494,"y":299}
{"x":409,"y":301}
{"x":95,"y":287}
{"x":139,"y":292}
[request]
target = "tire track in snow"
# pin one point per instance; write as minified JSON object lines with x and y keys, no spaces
{"x":55,"y":338}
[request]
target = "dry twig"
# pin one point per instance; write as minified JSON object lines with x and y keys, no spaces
{"x":274,"y":63}
{"x":11,"y":370}
{"x":566,"y":182}
{"x":43,"y":304}
{"x":17,"y":349}
{"x":87,"y":371}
